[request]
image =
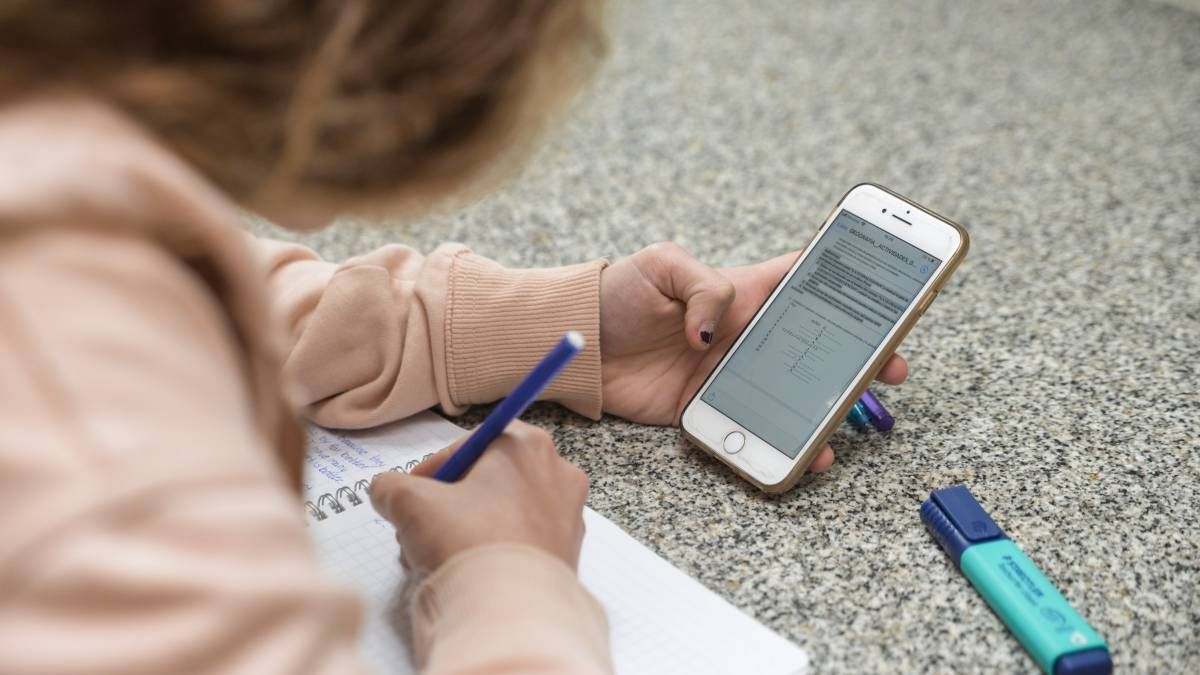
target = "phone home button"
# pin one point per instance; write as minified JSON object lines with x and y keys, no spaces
{"x":734,"y":442}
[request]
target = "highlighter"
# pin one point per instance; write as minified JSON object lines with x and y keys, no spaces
{"x":880,"y":418}
{"x":1057,"y":638}
{"x":869,"y":412}
{"x":857,"y":417}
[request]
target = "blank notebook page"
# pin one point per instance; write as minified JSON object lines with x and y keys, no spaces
{"x":663,"y":621}
{"x":660,"y":619}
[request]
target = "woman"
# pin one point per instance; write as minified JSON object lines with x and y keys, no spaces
{"x":154,"y":357}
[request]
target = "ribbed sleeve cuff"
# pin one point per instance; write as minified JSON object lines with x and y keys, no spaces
{"x":500,"y":321}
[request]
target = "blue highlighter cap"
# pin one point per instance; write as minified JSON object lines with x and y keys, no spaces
{"x":1089,"y":662}
{"x":957,"y":521}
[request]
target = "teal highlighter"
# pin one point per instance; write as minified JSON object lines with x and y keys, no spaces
{"x":1057,"y":638}
{"x":857,"y":417}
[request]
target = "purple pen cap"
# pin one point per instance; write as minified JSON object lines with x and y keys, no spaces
{"x":880,"y":418}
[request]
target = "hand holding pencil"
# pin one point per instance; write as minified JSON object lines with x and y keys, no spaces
{"x":520,"y":491}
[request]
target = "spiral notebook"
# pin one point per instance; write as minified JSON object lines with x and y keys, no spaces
{"x":660,"y":620}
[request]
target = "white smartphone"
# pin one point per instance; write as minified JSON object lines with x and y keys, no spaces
{"x":826,"y":329}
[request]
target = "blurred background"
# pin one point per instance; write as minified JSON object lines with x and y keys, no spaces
{"x":1056,"y":374}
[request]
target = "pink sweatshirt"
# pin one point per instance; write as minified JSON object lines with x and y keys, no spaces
{"x":152,"y":360}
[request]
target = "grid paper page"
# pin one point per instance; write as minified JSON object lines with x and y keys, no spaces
{"x":358,"y":548}
{"x":661,"y":621}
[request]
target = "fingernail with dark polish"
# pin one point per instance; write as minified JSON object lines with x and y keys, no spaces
{"x":706,"y":332}
{"x":706,"y":337}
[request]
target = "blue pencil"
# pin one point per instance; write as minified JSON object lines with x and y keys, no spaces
{"x":511,"y":407}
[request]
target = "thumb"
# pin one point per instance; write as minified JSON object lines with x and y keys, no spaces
{"x":394,"y":495}
{"x":768,"y":273}
{"x":705,"y":292}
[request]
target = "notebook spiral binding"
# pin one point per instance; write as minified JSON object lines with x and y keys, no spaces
{"x":348,"y":496}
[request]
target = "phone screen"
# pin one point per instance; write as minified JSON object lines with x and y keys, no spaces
{"x":820,"y":330}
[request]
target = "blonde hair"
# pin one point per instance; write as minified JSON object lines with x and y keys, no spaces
{"x":346,"y":103}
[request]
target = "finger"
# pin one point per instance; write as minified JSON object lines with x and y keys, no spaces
{"x":776,"y":267}
{"x":894,"y":371}
{"x":523,"y":448}
{"x":823,"y":460}
{"x":393,"y":493}
{"x":705,"y":292}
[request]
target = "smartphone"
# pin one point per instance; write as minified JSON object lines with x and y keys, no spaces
{"x":833,"y":320}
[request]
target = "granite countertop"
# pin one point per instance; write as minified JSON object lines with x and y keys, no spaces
{"x":1056,"y":374}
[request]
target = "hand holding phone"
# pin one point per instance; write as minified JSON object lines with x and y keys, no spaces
{"x":654,"y":306}
{"x":827,"y":328}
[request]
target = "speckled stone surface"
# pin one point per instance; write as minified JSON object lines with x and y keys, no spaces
{"x":1057,"y":374}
